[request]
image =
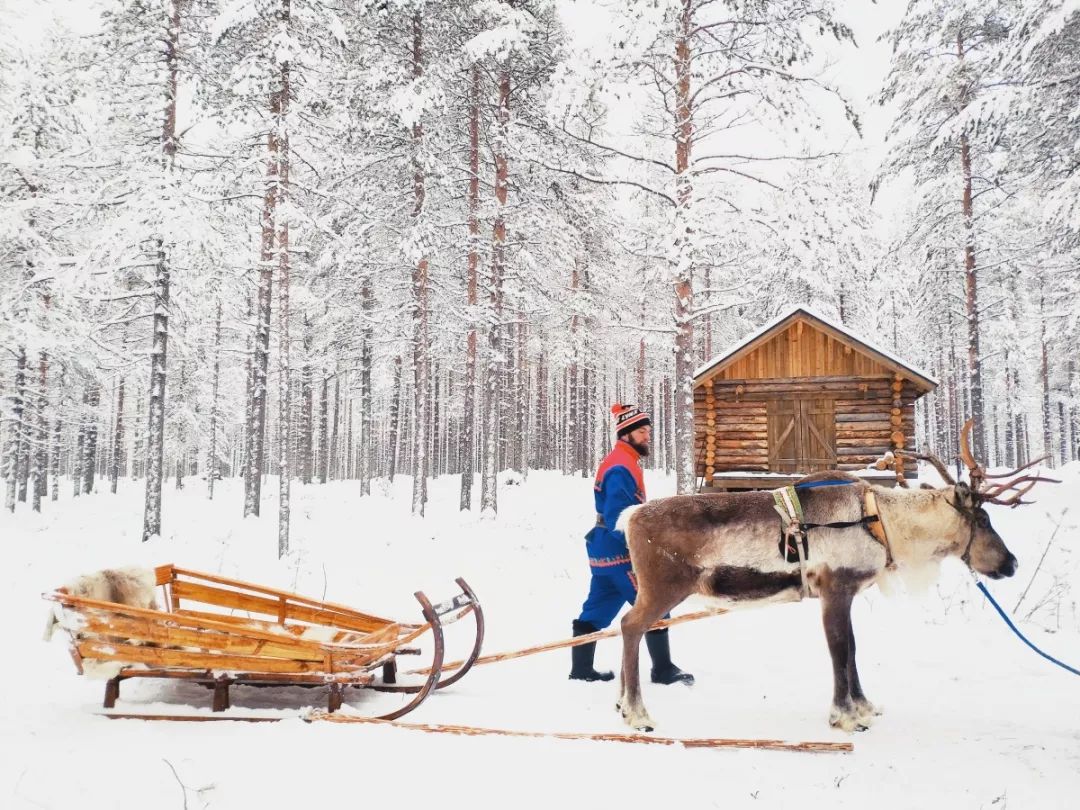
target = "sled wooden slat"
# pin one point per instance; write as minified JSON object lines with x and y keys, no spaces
{"x":232,"y":643}
{"x":293,"y":640}
{"x":246,"y":628}
{"x":295,"y":630}
{"x":158,"y":656}
{"x":293,"y":597}
{"x":271,"y":607}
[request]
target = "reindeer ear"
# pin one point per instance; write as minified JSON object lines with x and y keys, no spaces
{"x":925,"y":485}
{"x":963,"y":494}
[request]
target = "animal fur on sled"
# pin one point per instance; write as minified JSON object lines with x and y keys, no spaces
{"x":130,"y":586}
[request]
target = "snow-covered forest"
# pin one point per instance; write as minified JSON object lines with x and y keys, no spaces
{"x":310,"y":240}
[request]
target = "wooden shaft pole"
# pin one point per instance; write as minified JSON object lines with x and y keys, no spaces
{"x":571,"y":642}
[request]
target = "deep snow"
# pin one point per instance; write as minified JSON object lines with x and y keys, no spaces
{"x":973,"y":718}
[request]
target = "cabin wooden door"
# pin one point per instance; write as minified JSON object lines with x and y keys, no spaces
{"x":802,"y":435}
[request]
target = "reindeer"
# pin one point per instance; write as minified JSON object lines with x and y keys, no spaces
{"x":725,"y":547}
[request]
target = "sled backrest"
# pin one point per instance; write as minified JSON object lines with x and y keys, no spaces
{"x":210,"y":596}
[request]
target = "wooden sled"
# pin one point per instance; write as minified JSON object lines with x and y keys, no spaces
{"x":218,"y":632}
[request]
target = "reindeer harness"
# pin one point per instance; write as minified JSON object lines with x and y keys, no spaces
{"x":794,"y":528}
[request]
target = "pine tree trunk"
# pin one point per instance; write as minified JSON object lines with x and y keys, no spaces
{"x":434,"y":391}
{"x":155,"y":439}
{"x":15,"y":431}
{"x":347,"y":456}
{"x":243,"y":466}
{"x":542,"y":446}
{"x":324,"y":431}
{"x":971,"y":293}
{"x":77,"y":461}
{"x":575,"y":370}
{"x":284,"y":158}
{"x":367,"y":399}
{"x":1010,"y":424}
{"x":334,"y":452}
{"x":212,"y":465}
{"x":1074,"y":411}
{"x":395,"y":420}
{"x":489,"y":481}
{"x":155,"y":433}
{"x":261,"y":367}
{"x":468,"y":433}
{"x":1063,"y":434}
{"x":57,"y":433}
{"x":181,"y":438}
{"x":521,"y":400}
{"x":41,"y":450}
{"x":118,"y":438}
{"x":684,"y":248}
{"x":420,"y":297}
{"x":91,"y":445}
{"x":307,"y":413}
{"x":22,"y":424}
{"x":1044,"y":377}
{"x":669,"y":425}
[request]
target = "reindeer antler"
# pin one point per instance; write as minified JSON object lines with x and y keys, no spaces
{"x":993,"y":494}
{"x":934,"y":461}
{"x":1016,"y":488}
{"x":975,"y":470}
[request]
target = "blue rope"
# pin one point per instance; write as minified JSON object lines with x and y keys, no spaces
{"x":1008,"y":621}
{"x":832,"y":482}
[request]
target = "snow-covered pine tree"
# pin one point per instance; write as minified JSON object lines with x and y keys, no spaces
{"x":695,"y":70}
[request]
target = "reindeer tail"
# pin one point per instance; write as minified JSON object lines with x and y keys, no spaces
{"x":623,"y":523}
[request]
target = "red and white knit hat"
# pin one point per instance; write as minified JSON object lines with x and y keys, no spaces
{"x":628,"y":418}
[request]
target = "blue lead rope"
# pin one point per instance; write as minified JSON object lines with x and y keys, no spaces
{"x":1023,"y":638}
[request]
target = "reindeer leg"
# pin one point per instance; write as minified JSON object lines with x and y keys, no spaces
{"x":836,"y":616}
{"x":634,"y":625}
{"x":866,"y":710}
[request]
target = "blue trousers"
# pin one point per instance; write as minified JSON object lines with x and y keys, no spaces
{"x":609,"y":590}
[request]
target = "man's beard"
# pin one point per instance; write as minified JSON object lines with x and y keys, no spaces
{"x":642,"y":449}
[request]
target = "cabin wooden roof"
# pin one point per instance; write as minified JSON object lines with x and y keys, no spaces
{"x":776,"y":327}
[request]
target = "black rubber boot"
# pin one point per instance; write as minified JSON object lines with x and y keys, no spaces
{"x":663,"y":671}
{"x":583,"y":655}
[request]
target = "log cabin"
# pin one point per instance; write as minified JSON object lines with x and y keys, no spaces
{"x":800,"y":395}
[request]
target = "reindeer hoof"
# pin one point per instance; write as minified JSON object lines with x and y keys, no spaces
{"x":639,"y":721}
{"x":866,"y":712}
{"x":847,"y":721}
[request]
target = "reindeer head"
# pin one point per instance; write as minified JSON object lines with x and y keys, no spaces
{"x":976,"y":542}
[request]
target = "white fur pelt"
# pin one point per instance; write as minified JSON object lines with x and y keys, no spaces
{"x":130,"y":586}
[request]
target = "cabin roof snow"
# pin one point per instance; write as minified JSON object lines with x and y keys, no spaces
{"x":785,"y":319}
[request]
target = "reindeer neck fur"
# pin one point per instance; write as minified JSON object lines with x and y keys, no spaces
{"x":923,"y":528}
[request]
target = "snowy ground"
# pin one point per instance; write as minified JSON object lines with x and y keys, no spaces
{"x":973,"y":718}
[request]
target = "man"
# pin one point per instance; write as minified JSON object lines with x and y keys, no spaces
{"x":619,"y":484}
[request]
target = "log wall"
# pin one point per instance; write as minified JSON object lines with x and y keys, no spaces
{"x":731,"y":425}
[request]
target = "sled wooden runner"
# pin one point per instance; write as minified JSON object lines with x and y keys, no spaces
{"x":220,"y":632}
{"x":808,"y":746}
